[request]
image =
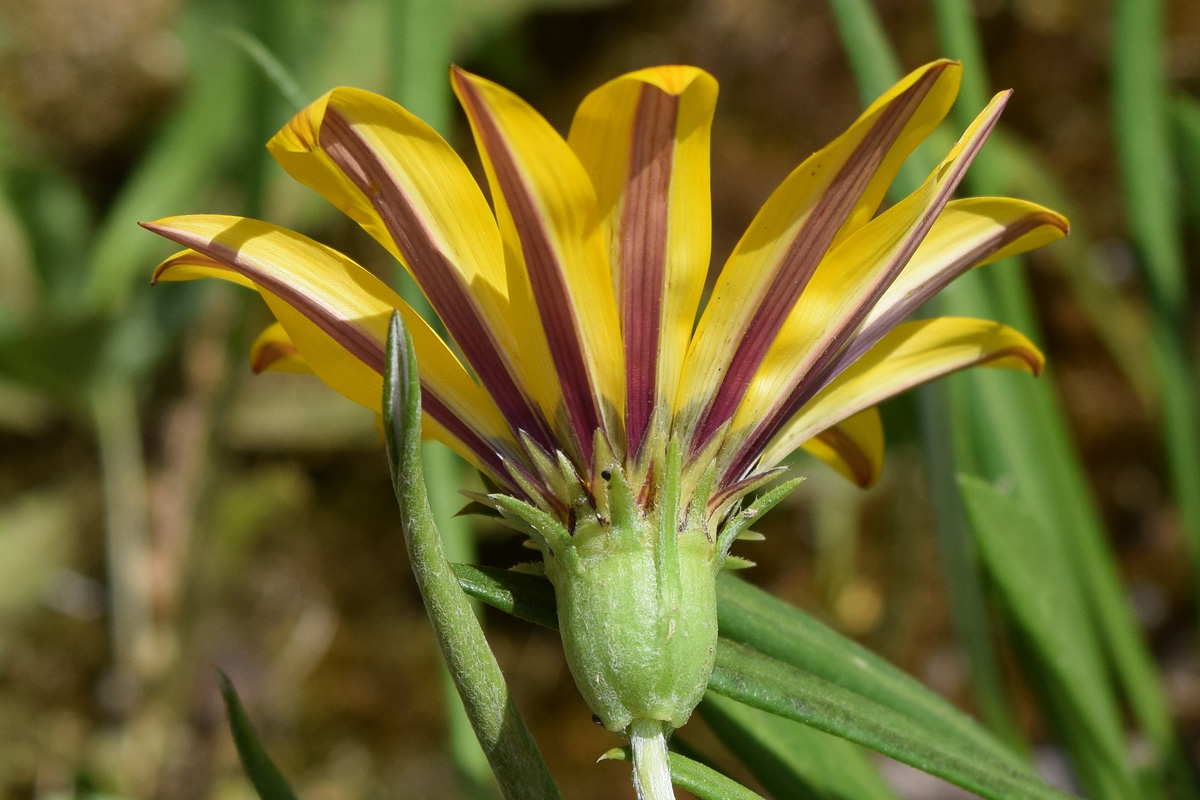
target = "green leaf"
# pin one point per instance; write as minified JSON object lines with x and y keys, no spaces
{"x":764,"y":683}
{"x":510,"y":749}
{"x":704,"y":782}
{"x":1032,"y":576}
{"x":268,"y":781}
{"x":793,"y":760}
{"x":1187,"y":136}
{"x":750,"y":616}
{"x":273,"y":70}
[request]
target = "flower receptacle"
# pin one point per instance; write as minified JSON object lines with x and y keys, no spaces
{"x":637,"y":613}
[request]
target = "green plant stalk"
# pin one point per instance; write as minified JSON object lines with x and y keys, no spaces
{"x":1186,"y":112}
{"x":126,"y":524}
{"x":421,"y":36}
{"x":1146,"y":150}
{"x":703,"y":781}
{"x":511,"y":751}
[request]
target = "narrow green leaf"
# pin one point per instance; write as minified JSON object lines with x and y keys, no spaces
{"x":272,"y":69}
{"x":507,"y":743}
{"x":1142,"y":124}
{"x":704,"y":782}
{"x":268,"y":781}
{"x":1032,"y":575}
{"x":750,"y":616}
{"x":764,"y":683}
{"x":1145,"y":148}
{"x":793,"y":760}
{"x":1186,"y":111}
{"x":176,"y":168}
{"x":528,"y":597}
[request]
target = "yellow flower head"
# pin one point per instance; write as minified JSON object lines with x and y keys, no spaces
{"x":574,"y":299}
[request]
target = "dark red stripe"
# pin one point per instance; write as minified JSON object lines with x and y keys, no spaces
{"x":816,"y":376}
{"x":449,"y":295}
{"x":806,"y":251}
{"x":550,"y":291}
{"x":356,"y":341}
{"x":642,"y":255}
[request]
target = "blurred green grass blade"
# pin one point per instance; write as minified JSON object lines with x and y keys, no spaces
{"x":704,"y":782}
{"x":1186,"y":112}
{"x":1115,"y":317}
{"x":178,"y":166}
{"x":270,"y":66}
{"x":268,"y":781}
{"x":764,"y":683}
{"x":1031,"y":571}
{"x":422,"y":49}
{"x":1141,"y":123}
{"x":793,"y":760}
{"x":511,"y":751}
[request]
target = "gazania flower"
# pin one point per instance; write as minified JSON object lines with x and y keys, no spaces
{"x":622,"y":434}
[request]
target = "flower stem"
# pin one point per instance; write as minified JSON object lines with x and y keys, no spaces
{"x":651,"y":771}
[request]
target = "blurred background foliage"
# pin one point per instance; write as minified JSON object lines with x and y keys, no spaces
{"x":162,"y":510}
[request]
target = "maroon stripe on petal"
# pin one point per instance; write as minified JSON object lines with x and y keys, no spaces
{"x":822,"y":370}
{"x":550,"y":292}
{"x":805,"y":253}
{"x":438,"y":411}
{"x":449,"y":295}
{"x":642,"y":255}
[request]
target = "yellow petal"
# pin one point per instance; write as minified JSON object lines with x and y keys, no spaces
{"x":408,"y":188}
{"x":274,"y":351}
{"x":913,"y":353}
{"x":826,"y":199}
{"x":644,"y":140}
{"x":336,"y":313}
{"x":559,"y":282}
{"x":853,"y":447}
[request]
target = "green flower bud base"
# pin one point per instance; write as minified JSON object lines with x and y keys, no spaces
{"x":638,"y":615}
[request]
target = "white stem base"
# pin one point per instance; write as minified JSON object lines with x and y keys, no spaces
{"x":651,"y":770}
